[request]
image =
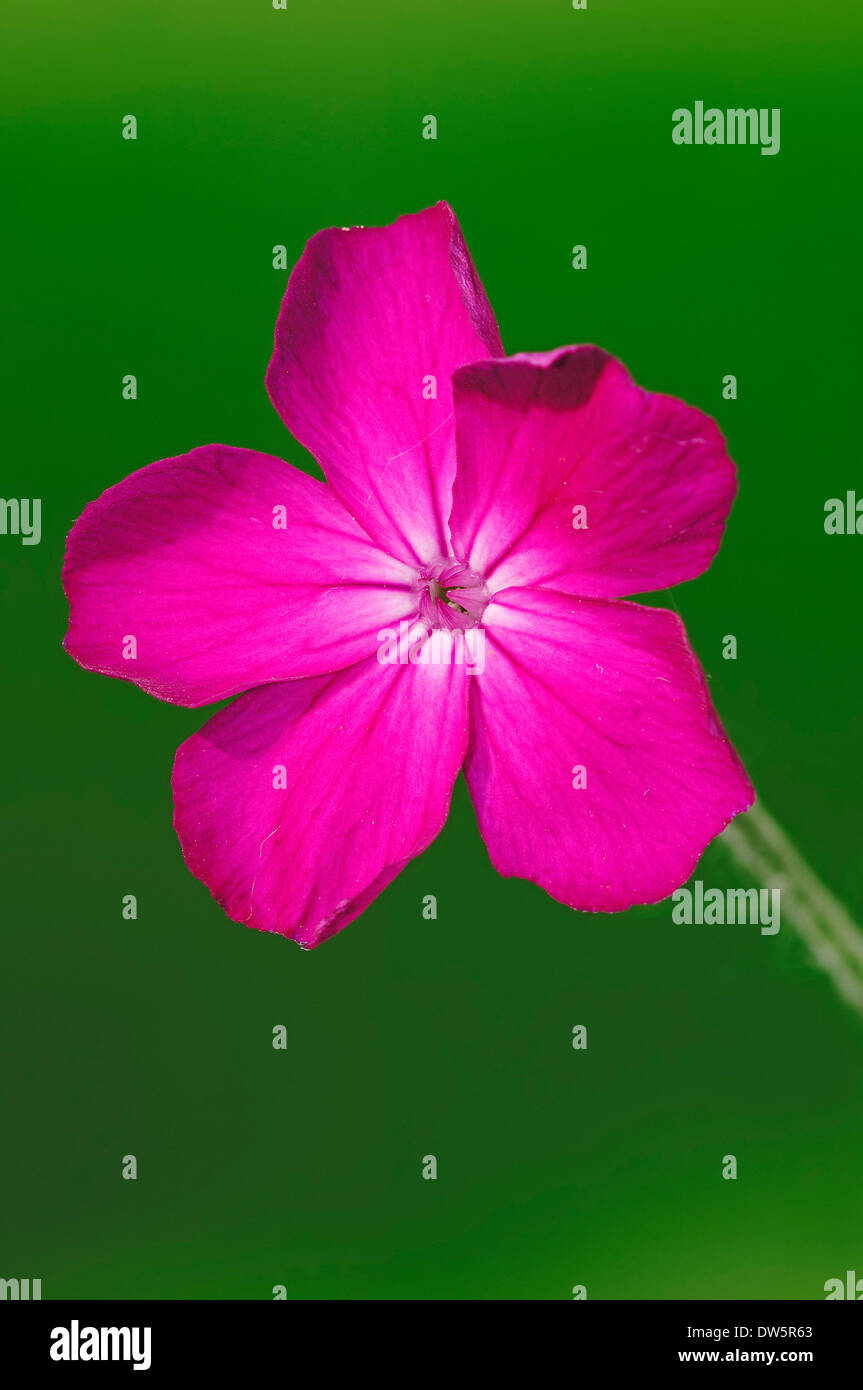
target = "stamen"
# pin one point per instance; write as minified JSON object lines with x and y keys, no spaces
{"x":454,"y":595}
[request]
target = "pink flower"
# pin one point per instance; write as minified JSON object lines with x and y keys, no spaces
{"x":518,"y":497}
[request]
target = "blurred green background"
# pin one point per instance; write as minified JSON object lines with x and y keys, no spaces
{"x":406,"y":1037}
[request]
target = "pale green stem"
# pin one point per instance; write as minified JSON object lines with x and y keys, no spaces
{"x":762,"y":849}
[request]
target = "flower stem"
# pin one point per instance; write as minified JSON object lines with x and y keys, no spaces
{"x":761,"y":848}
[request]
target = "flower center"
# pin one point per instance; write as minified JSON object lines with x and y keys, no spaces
{"x":452,"y":595}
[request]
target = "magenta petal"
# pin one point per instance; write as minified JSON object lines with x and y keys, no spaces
{"x":184,"y":559}
{"x":612,"y":688}
{"x":371,"y":315}
{"x":299,"y":803}
{"x":542,"y":434}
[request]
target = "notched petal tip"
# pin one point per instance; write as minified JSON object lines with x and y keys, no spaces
{"x":164,"y":569}
{"x":299,"y":803}
{"x":571,"y":476}
{"x":373,"y":324}
{"x":595,"y":721}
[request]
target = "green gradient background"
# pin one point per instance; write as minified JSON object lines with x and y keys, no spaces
{"x":407,"y":1037}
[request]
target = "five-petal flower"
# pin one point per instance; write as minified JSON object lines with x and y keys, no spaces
{"x":454,"y":475}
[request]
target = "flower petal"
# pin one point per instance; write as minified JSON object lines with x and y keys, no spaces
{"x":369,"y":756}
{"x":544,"y":433}
{"x":369,"y":316}
{"x":188,"y":557}
{"x":615,"y":689}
